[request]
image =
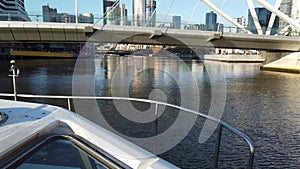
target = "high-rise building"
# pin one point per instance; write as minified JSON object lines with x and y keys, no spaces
{"x":107,"y":6}
{"x":292,"y":9}
{"x":51,"y":15}
{"x":263,"y":16}
{"x":242,"y":21}
{"x":113,"y":15}
{"x":86,"y":18}
{"x":295,"y":14}
{"x":13,"y":10}
{"x":286,"y":8}
{"x":150,"y":13}
{"x":123,"y":15}
{"x":176,"y":21}
{"x":65,"y":18}
{"x":139,"y":11}
{"x":211,"y":21}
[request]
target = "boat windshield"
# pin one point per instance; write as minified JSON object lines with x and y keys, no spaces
{"x":60,"y":153}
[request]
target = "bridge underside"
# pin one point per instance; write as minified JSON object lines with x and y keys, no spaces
{"x":258,"y":42}
{"x":58,"y":32}
{"x":43,"y":32}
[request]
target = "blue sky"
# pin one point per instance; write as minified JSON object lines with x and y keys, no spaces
{"x":234,"y":8}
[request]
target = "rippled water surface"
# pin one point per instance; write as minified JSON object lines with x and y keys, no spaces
{"x":264,"y":105}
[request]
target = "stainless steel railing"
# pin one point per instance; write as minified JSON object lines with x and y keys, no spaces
{"x":221,"y":124}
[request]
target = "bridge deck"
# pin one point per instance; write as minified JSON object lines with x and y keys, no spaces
{"x":62,"y":32}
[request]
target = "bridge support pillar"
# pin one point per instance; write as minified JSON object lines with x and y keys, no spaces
{"x":283,"y":62}
{"x":156,"y":34}
{"x":273,"y":56}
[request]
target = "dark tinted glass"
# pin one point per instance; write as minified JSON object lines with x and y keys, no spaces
{"x":62,"y":154}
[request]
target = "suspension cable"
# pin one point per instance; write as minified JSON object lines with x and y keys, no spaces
{"x":170,"y":7}
{"x":194,"y":10}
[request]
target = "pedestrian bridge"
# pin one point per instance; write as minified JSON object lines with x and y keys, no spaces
{"x":68,"y":32}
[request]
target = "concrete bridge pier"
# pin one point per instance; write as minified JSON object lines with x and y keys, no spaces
{"x":282,"y":62}
{"x":273,"y":56}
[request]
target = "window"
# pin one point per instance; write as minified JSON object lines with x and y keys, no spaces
{"x":59,"y":153}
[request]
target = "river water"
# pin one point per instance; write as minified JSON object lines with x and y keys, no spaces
{"x":263,"y":105}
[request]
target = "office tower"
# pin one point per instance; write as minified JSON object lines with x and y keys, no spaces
{"x":139,"y":10}
{"x":49,"y":14}
{"x":286,"y":8}
{"x":86,"y":18}
{"x":242,"y":21}
{"x":107,"y":6}
{"x":65,"y":18}
{"x":292,"y":9}
{"x":150,"y":13}
{"x":123,"y":15}
{"x":295,"y":14}
{"x":263,"y":16}
{"x":176,"y":21}
{"x":211,"y":21}
{"x":13,"y":10}
{"x":113,"y":15}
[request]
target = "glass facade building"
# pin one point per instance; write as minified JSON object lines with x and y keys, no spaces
{"x":13,"y":10}
{"x":107,"y":6}
{"x":150,"y":13}
{"x":211,"y":21}
{"x":176,"y":20}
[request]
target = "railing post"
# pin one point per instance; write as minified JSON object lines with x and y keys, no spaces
{"x":14,"y":72}
{"x":218,"y":144}
{"x":69,"y":104}
{"x":156,"y":116}
{"x":251,"y":158}
{"x":156,"y":125}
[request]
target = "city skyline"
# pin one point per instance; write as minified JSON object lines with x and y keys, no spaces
{"x":179,"y":8}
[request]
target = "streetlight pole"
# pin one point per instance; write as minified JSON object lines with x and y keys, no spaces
{"x":76,"y":11}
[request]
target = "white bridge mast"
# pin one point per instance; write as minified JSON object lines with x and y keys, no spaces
{"x":280,"y":14}
{"x":274,"y":10}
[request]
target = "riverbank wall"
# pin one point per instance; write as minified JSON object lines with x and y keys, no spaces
{"x":235,"y":58}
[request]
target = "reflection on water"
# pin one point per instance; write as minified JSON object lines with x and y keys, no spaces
{"x":264,"y":105}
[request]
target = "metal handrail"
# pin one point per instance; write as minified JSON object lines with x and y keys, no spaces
{"x":219,"y":122}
